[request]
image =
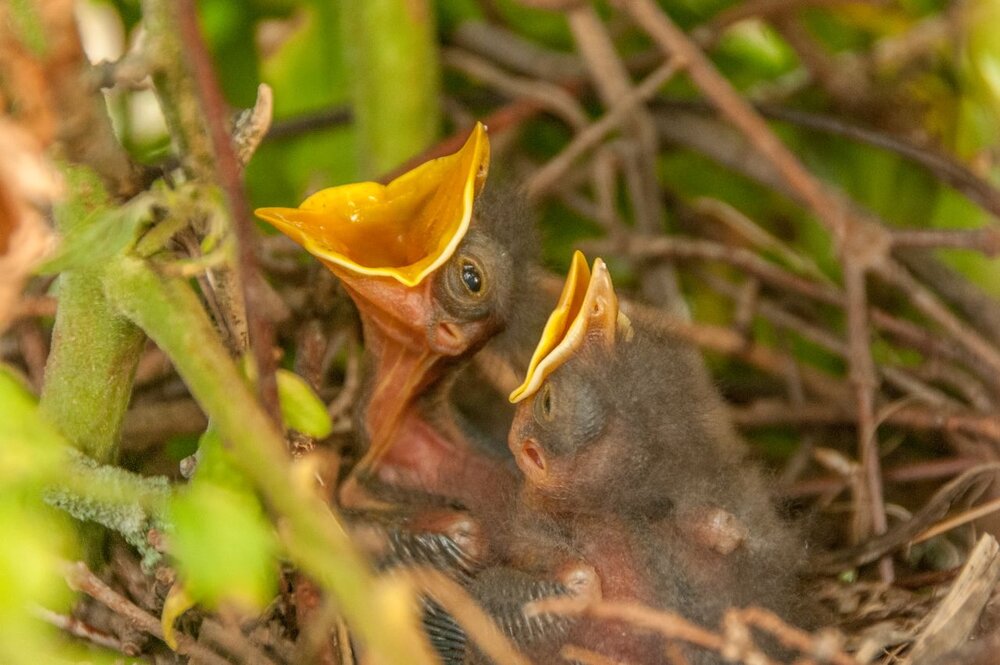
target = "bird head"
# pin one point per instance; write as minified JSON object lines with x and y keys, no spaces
{"x":430,"y":276}
{"x":609,"y":415}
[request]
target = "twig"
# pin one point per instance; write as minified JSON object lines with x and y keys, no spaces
{"x":547,"y":176}
{"x":824,"y":647}
{"x":344,"y":400}
{"x":679,"y":247}
{"x":768,"y":413}
{"x":958,"y":520}
{"x":517,"y":53}
{"x":77,"y":628}
{"x":917,"y":472}
{"x":252,"y":125}
{"x":706,"y":34}
{"x":34,"y":351}
{"x":575,"y":654}
{"x":985,"y":240}
{"x":973,"y":481}
{"x":229,"y":637}
{"x":149,"y":424}
{"x":670,"y":625}
{"x":862,"y":375}
{"x":32,"y":306}
{"x":981,"y":309}
{"x":638,"y":152}
{"x":941,"y":165}
{"x":227,"y":171}
{"x":548,"y":96}
{"x":84,"y":126}
{"x":929,"y":304}
{"x":307,"y":123}
{"x":676,"y":44}
{"x":80,"y":578}
{"x":953,"y":620}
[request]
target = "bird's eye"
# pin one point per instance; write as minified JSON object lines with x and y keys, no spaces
{"x":471,"y":277}
{"x":546,"y":402}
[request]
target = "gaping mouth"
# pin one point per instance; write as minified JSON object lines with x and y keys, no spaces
{"x":587,"y":309}
{"x":404,"y":230}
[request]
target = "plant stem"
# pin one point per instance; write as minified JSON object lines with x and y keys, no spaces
{"x":88,"y":377}
{"x":391,"y":48}
{"x":169,"y":311}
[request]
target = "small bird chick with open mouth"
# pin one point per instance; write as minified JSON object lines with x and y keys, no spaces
{"x":627,"y":494}
{"x":438,"y":268}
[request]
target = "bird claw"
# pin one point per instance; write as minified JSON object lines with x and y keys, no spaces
{"x":581,"y":580}
{"x":717,"y":529}
{"x":460,"y":527}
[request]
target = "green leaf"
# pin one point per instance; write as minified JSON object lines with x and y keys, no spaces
{"x":101,"y":235}
{"x":301,"y":408}
{"x":224,"y":546}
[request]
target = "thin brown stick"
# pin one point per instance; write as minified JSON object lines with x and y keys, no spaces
{"x":823,"y":647}
{"x":586,"y":656}
{"x":675,"y":43}
{"x":934,"y":309}
{"x":547,"y":176}
{"x":958,"y":520}
{"x":670,"y":625}
{"x":548,"y":96}
{"x":679,"y":247}
{"x":910,"y":473}
{"x":515,"y":52}
{"x":985,"y":240}
{"x":228,"y":172}
{"x":862,"y":375}
{"x":77,"y":628}
{"x":80,"y":578}
{"x":770,"y":413}
{"x":31,"y":306}
{"x":972,"y":482}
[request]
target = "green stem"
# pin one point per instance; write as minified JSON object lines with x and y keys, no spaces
{"x":391,"y":49}
{"x":88,"y":377}
{"x":170,"y":313}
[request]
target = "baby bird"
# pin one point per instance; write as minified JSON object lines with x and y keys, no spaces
{"x":626,"y":489}
{"x":437,"y":268}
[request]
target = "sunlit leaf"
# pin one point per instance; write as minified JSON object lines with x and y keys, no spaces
{"x":301,"y":408}
{"x":224,"y":545}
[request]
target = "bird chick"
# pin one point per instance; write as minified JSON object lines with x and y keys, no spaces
{"x":438,"y":268}
{"x":620,"y":458}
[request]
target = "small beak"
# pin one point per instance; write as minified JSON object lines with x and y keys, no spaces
{"x":587,"y":313}
{"x":404,"y":230}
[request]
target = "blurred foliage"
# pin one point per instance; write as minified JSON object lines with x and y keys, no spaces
{"x":37,"y":538}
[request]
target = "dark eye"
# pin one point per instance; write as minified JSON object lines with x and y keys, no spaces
{"x":546,"y":401}
{"x":471,"y":277}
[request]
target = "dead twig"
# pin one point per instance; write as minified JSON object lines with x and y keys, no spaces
{"x":953,"y":620}
{"x":80,"y":578}
{"x":547,"y":176}
{"x":228,"y":173}
{"x":973,"y":481}
{"x":77,"y":628}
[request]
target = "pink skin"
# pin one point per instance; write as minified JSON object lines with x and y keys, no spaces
{"x":412,"y":343}
{"x":606,"y":543}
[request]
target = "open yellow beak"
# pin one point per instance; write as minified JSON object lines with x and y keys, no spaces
{"x":587,"y":310}
{"x":404,"y":230}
